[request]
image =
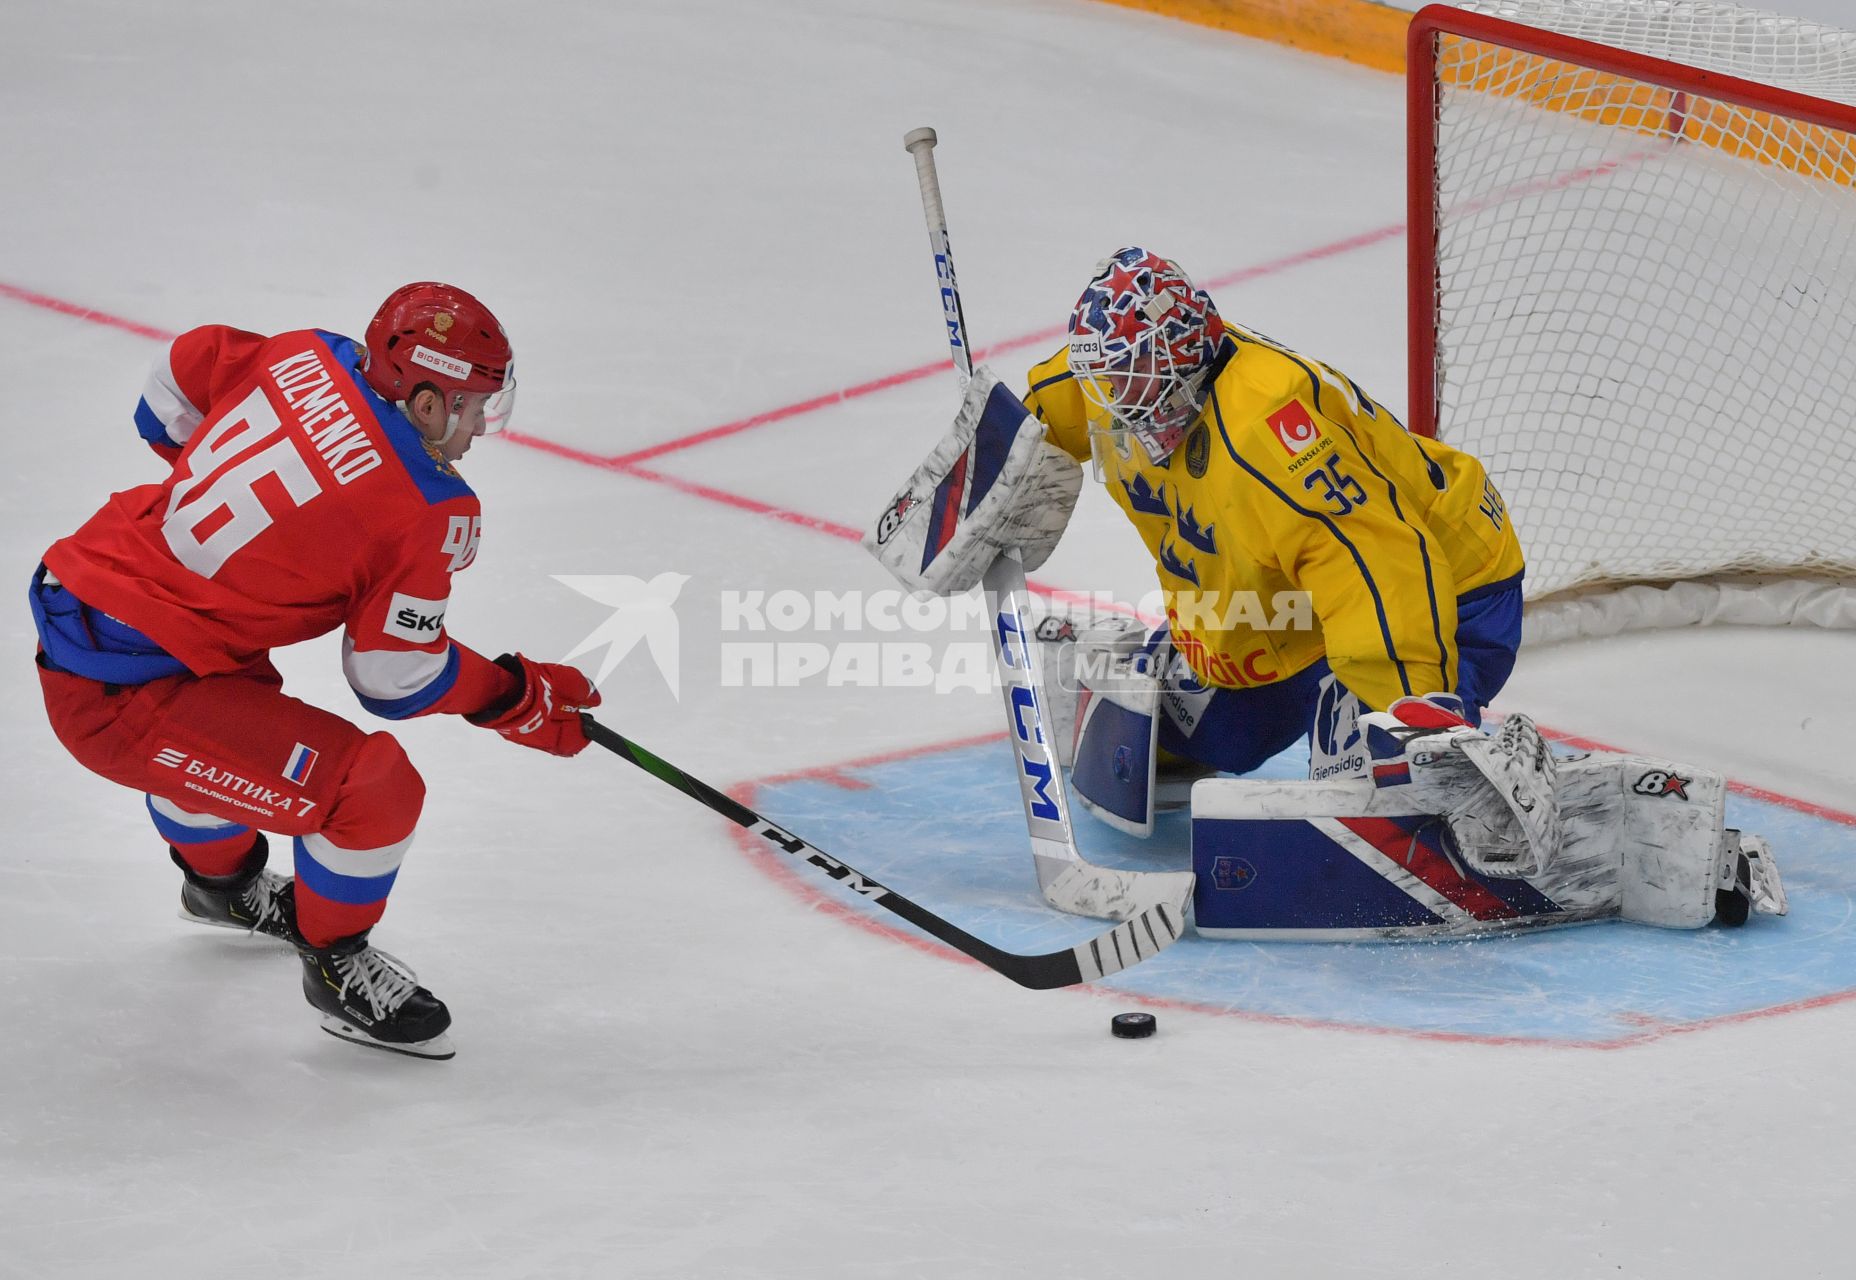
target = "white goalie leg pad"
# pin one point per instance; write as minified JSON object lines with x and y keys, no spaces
{"x":992,"y":484}
{"x":1117,"y":738}
{"x":1660,"y":825}
{"x":1068,"y":651}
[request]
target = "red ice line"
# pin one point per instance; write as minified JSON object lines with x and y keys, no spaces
{"x":629,"y":464}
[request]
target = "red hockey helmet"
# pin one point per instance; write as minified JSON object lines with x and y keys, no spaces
{"x":437,"y":333}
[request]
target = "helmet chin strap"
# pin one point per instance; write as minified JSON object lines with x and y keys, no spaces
{"x":451,"y":421}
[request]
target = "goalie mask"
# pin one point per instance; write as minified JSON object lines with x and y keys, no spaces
{"x":1142,"y":344}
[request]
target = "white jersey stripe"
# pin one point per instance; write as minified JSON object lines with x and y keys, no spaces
{"x":358,"y":863}
{"x":168,"y":402}
{"x":186,"y":817}
{"x":388,"y":675}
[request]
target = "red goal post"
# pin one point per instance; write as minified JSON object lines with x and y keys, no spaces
{"x":1632,"y":292}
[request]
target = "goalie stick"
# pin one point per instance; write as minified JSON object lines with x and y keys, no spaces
{"x":1067,"y":881}
{"x":1147,"y":934}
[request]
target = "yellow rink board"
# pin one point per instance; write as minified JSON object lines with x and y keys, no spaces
{"x":1373,"y":35}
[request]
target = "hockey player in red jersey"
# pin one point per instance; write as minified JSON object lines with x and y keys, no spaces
{"x":312,"y":487}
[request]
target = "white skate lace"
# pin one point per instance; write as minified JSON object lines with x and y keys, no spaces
{"x":382,"y":980}
{"x":261,"y":898}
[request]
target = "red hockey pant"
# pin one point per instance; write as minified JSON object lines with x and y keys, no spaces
{"x":221,"y":755}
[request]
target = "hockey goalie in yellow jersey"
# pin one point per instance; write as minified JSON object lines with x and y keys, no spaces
{"x":1298,"y":530}
{"x":1325,"y":574}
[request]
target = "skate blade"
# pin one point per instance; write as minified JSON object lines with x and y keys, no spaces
{"x":247,"y":930}
{"x":437,"y":1048}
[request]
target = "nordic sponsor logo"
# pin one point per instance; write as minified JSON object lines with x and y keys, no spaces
{"x":1662,"y":782}
{"x":414,"y":619}
{"x":450,"y":366}
{"x":1295,"y":429}
{"x":172,"y":757}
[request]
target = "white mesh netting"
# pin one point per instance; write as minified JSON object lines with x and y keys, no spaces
{"x":1646,"y":317}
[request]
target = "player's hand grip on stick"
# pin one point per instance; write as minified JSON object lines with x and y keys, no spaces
{"x":1130,"y":942}
{"x":544,"y":711}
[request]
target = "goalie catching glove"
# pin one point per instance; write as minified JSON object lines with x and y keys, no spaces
{"x":993,"y":484}
{"x":1496,"y":795}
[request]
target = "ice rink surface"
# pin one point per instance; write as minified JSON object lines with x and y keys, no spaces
{"x":673,"y":1061}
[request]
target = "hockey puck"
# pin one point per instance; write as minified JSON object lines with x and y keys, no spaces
{"x":1133,"y":1026}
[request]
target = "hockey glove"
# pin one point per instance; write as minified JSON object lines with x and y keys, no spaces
{"x":545,"y":711}
{"x":1497,"y":795}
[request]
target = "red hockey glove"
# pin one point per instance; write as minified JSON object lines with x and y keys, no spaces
{"x":545,"y":712}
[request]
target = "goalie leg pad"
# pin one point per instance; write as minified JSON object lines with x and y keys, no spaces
{"x":1117,"y":726}
{"x":1065,"y":650}
{"x":1345,"y":861}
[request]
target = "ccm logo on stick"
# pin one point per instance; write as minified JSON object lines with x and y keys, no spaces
{"x":410,"y":618}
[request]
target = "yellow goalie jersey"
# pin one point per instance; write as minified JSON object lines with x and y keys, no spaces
{"x":1299,"y":519}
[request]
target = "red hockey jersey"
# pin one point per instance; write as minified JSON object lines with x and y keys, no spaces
{"x":299,"y":502}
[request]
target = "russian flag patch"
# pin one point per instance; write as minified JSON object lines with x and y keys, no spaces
{"x":302,"y":760}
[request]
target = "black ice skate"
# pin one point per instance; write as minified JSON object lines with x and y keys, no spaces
{"x":371,"y":998}
{"x":251,"y":898}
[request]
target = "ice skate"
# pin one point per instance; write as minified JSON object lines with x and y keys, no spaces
{"x":251,"y":898}
{"x":372,"y":998}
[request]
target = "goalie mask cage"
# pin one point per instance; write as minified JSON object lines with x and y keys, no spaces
{"x":1633,"y":297}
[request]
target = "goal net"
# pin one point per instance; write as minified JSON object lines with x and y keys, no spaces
{"x":1633,"y":296}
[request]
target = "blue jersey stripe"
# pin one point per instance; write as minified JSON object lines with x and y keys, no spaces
{"x":1490,"y":588}
{"x":151,"y":428}
{"x":1379,"y":604}
{"x":355,"y":891}
{"x":1424,"y":554}
{"x":1053,"y":380}
{"x":437,"y":481}
{"x":179,"y":833}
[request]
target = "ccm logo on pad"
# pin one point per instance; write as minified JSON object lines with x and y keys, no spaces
{"x":410,"y":618}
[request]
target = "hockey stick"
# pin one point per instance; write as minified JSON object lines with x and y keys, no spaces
{"x":1067,"y":882}
{"x":1147,"y":934}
